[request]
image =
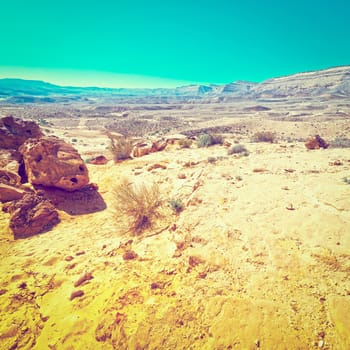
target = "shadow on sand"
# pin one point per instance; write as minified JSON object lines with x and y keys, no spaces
{"x":84,"y":201}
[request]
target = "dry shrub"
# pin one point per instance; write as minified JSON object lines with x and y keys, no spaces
{"x":340,"y":142}
{"x":236,"y":149}
{"x":121,"y":147}
{"x":140,"y":203}
{"x":264,"y":136}
{"x":185,"y":143}
{"x":206,"y":140}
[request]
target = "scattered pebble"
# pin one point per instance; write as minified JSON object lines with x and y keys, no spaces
{"x":321,"y":344}
{"x":202,"y":275}
{"x":68,"y":258}
{"x":156,"y":285}
{"x":86,"y":277}
{"x":76,"y":294}
{"x":194,"y":261}
{"x":3,"y":291}
{"x":290,"y":207}
{"x":321,"y":334}
{"x":156,"y":166}
{"x":80,"y":253}
{"x":129,"y":255}
{"x":23,"y":285}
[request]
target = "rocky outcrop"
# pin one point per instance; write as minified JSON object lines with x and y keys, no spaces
{"x":10,"y":160}
{"x":14,"y":131}
{"x":9,"y":178}
{"x":159,"y":146}
{"x":316,"y":142}
{"x":10,"y":193}
{"x":142,"y":149}
{"x":49,"y":161}
{"x":31,"y":215}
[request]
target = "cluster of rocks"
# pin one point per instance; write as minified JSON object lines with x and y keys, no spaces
{"x":316,"y":142}
{"x":144,"y":148}
{"x":29,"y":159}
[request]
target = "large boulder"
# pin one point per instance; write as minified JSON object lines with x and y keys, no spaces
{"x":31,"y":215}
{"x":50,"y":161}
{"x":14,"y":131}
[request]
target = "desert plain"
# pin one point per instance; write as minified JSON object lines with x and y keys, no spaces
{"x":258,"y":257}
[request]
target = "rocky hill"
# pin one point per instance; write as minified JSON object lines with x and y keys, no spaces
{"x":332,"y":82}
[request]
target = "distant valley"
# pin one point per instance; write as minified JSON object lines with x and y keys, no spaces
{"x":330,"y":83}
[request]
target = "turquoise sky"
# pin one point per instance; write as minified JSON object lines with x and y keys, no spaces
{"x":168,"y":42}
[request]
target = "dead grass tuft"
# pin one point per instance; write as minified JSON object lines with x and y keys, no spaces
{"x":138,"y":202}
{"x":121,"y":147}
{"x":264,"y":136}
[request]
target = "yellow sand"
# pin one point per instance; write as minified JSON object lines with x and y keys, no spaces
{"x":258,"y":258}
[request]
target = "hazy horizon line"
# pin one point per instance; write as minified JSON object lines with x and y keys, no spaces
{"x":110,"y":80}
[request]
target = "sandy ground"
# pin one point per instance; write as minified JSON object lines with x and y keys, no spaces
{"x":258,"y":259}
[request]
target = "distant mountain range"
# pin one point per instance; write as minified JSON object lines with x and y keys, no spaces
{"x":331,"y":82}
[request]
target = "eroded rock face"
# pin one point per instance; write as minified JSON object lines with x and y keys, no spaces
{"x":10,"y":193}
{"x":14,"y":131}
{"x":10,"y":160}
{"x":9,"y":178}
{"x":31,"y":215}
{"x":142,"y":149}
{"x":145,"y":148}
{"x":49,"y":161}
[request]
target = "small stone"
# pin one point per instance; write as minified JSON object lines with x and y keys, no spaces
{"x":321,"y":344}
{"x":68,"y":258}
{"x":3,"y":291}
{"x":321,"y":334}
{"x":194,"y":261}
{"x":23,"y":285}
{"x":86,"y":277}
{"x":82,"y":252}
{"x":202,"y":275}
{"x":76,"y":294}
{"x":129,"y":255}
{"x":156,"y":166}
{"x":155,"y":285}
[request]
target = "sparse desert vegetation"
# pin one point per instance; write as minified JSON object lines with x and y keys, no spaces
{"x":206,"y":140}
{"x":137,"y":201}
{"x":197,"y":240}
{"x":238,"y":149}
{"x":121,"y":147}
{"x":264,"y":136}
